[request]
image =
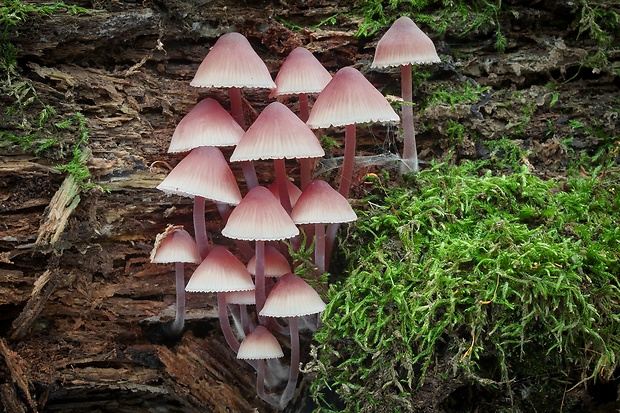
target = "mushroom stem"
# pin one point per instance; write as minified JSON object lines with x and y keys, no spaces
{"x":179,"y":320}
{"x":349,"y":158}
{"x":330,"y":239}
{"x":304,"y":107}
{"x":260,"y":383}
{"x":306,"y":163}
{"x":199,"y":226}
{"x":261,"y":295}
{"x":222,"y":312}
{"x":281,"y":179}
{"x":236,"y":107}
{"x":289,"y":391}
{"x":410,"y":153}
{"x":319,"y":248}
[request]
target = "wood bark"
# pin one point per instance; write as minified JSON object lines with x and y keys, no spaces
{"x":81,"y":307}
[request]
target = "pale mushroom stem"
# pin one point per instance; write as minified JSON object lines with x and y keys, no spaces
{"x":261,"y":295}
{"x":410,"y":152}
{"x":179,"y":320}
{"x":330,"y":239}
{"x":349,"y":159}
{"x":199,"y":226}
{"x":222,"y":312}
{"x":281,"y":178}
{"x":260,"y":383}
{"x":289,"y":391}
{"x":236,"y":108}
{"x":319,"y":248}
{"x":306,"y":163}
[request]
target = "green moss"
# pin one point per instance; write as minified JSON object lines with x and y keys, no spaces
{"x":499,"y":284}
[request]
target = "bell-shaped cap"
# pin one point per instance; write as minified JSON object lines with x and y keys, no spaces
{"x":232,"y":62}
{"x":277,"y":133}
{"x":404,"y":43}
{"x":349,"y":98}
{"x":207,"y":124}
{"x":292,"y":297}
{"x":301,"y":72}
{"x":220,"y":271}
{"x":259,"y":344}
{"x":320,"y":203}
{"x":259,"y":216}
{"x":276,"y":264}
{"x":175,"y":245}
{"x":203,"y":172}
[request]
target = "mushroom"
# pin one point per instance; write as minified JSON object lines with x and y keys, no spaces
{"x":176,"y":245}
{"x":292,"y":297}
{"x":349,"y":98}
{"x":278,"y":134}
{"x":203,"y":174}
{"x":242,"y":299}
{"x":232,"y":63}
{"x":260,"y":345}
{"x":301,"y":74}
{"x":207,"y":124}
{"x":221,"y":272}
{"x":320,"y":204}
{"x":259,"y":217}
{"x":402,"y":45}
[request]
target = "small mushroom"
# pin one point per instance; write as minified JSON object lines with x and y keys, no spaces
{"x":175,"y":245}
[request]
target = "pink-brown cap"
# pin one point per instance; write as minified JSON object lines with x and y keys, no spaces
{"x":259,"y":344}
{"x":293,"y":191}
{"x":241,"y":297}
{"x":301,"y":72}
{"x":320,"y":203}
{"x":232,"y":62}
{"x":404,"y":43}
{"x":349,"y":98}
{"x":207,"y":124}
{"x":259,"y":216}
{"x":220,"y":271}
{"x":175,"y":245}
{"x":203,"y":172}
{"x":276,"y":264}
{"x":277,"y":133}
{"x":292,"y":297}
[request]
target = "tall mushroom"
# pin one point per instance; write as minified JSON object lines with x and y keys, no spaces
{"x":402,"y":45}
{"x":292,"y":297}
{"x":259,"y":217}
{"x":348,"y":99}
{"x":202,"y":174}
{"x":301,"y":74}
{"x":232,"y":63}
{"x":320,"y":204}
{"x":175,"y":245}
{"x":278,"y":134}
{"x":221,"y":272}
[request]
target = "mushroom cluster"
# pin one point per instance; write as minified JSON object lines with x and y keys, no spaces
{"x":253,"y":278}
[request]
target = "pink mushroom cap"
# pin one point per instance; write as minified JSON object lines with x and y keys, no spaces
{"x":277,"y":133}
{"x":203,"y":172}
{"x":349,"y":98}
{"x":232,"y":62}
{"x":220,"y":271}
{"x":260,"y":344}
{"x":404,"y":43}
{"x":301,"y":72}
{"x":320,"y":203}
{"x":207,"y":124}
{"x":259,"y":216}
{"x":292,"y":297}
{"x":276,"y":264}
{"x":175,"y":245}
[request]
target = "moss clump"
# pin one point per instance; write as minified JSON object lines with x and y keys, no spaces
{"x":502,"y":289}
